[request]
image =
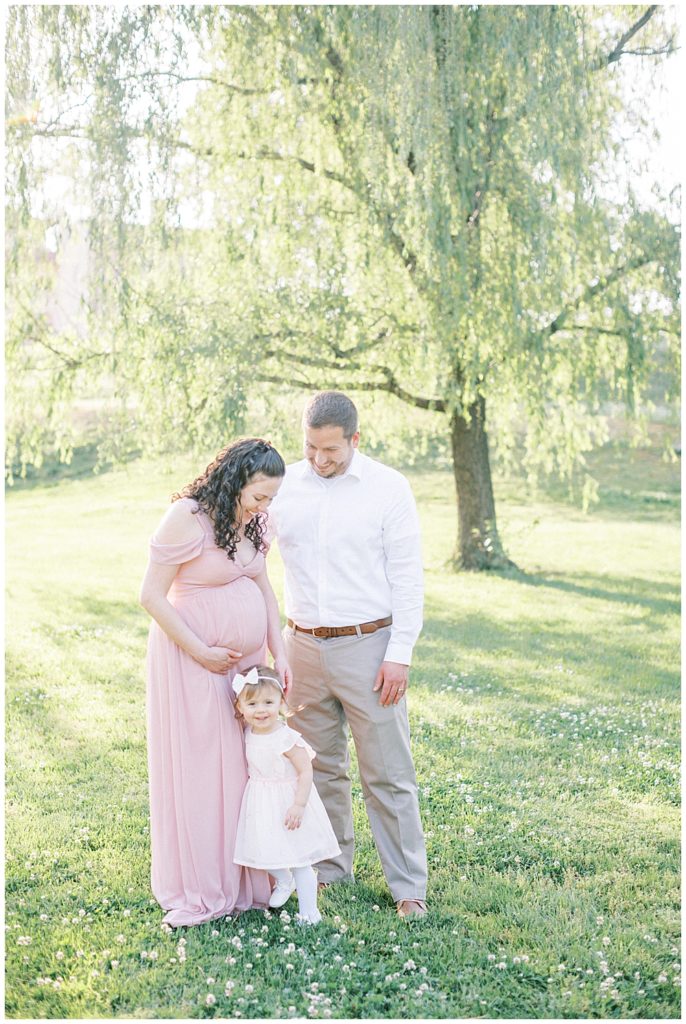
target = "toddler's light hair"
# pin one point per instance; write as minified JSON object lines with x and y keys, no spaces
{"x":265,"y":677}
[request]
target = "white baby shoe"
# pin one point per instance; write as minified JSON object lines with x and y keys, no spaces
{"x":306,"y":919}
{"x":281,"y":893}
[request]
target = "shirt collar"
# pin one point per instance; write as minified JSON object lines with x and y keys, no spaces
{"x":356,"y":465}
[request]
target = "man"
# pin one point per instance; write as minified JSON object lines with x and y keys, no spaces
{"x":348,"y":533}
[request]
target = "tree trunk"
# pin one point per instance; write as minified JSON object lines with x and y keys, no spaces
{"x":478,"y":544}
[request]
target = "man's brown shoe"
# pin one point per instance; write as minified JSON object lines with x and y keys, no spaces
{"x":411,"y":908}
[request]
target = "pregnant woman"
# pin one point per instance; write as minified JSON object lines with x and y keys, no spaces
{"x":214,"y":613}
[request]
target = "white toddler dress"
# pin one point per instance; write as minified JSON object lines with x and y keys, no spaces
{"x":262,"y":840}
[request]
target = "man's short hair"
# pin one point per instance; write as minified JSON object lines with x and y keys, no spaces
{"x":331,"y":409}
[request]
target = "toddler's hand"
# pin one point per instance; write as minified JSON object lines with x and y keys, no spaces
{"x":294,"y":816}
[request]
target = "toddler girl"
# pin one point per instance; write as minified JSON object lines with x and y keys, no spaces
{"x":283,"y":826}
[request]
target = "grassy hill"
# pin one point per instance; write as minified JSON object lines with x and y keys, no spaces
{"x":545,"y":723}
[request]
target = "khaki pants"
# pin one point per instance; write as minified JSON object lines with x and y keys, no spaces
{"x":333,"y":679}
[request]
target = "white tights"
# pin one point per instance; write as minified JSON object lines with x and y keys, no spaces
{"x":306,"y":888}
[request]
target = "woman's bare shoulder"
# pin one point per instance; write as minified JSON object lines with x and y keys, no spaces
{"x":179,"y":523}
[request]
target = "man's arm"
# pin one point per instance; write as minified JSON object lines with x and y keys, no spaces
{"x":405,"y":574}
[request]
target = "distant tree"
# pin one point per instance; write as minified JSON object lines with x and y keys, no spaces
{"x":396,"y":199}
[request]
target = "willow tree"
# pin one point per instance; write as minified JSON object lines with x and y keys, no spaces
{"x":403,"y":200}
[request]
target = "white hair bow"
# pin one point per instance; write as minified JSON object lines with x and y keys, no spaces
{"x":249,"y":679}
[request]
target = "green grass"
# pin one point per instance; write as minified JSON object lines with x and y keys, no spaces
{"x":544,"y":713}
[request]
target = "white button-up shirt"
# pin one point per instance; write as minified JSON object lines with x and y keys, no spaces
{"x":351,"y":550}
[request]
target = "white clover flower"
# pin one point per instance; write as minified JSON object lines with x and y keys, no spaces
{"x":25,"y":940}
{"x":210,"y":1000}
{"x":249,"y":988}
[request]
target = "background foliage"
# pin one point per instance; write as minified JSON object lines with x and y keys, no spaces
{"x":416,"y":201}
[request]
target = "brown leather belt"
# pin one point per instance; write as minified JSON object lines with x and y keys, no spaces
{"x":326,"y":632}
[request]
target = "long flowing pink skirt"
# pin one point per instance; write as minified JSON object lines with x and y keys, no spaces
{"x":196,"y":759}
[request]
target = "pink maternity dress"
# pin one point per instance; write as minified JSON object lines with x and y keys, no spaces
{"x":196,"y":757}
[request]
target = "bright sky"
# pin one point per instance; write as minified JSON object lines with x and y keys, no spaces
{"x":655,"y":88}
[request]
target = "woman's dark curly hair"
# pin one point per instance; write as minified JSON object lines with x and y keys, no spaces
{"x":218,"y":489}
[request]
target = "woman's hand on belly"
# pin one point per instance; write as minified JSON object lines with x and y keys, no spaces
{"x":219,"y":659}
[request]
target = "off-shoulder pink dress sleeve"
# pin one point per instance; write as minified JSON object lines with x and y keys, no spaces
{"x":196,"y":757}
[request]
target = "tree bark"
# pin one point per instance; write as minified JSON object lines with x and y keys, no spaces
{"x":478,"y":544}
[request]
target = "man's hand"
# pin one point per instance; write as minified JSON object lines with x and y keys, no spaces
{"x":392,"y":679}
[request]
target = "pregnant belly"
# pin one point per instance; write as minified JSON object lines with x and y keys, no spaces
{"x":234,"y":615}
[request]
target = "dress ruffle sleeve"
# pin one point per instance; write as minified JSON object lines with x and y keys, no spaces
{"x":289,"y":738}
{"x":176,"y":554}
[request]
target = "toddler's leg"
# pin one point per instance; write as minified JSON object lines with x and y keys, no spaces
{"x":284,"y":886}
{"x":306,"y":886}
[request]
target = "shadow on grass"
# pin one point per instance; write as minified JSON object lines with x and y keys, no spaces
{"x":528,"y":657}
{"x":628,"y":590}
{"x":91,"y":613}
{"x":85,"y":462}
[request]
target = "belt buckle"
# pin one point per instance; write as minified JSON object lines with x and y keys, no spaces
{"x":320,"y":631}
